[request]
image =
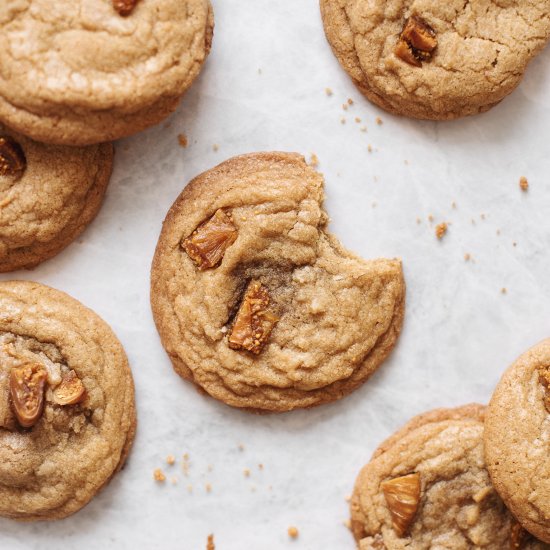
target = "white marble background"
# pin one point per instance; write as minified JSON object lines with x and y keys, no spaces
{"x":264,"y":88}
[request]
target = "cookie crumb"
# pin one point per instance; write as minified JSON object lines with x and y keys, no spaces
{"x":345,"y":106}
{"x":210,"y":543}
{"x":430,"y":218}
{"x":350,"y":101}
{"x":503,"y":290}
{"x":347,"y":523}
{"x":379,"y":121}
{"x":441,"y":229}
{"x":369,"y":148}
{"x":241,"y":447}
{"x":347,"y":498}
{"x":328,"y":91}
{"x":418,"y":221}
{"x":208,"y":488}
{"x":467,"y":257}
{"x":523,"y":183}
{"x":182,"y":140}
{"x":246,"y":472}
{"x":159,"y":476}
{"x":215,"y":147}
{"x":453,"y":205}
{"x":293,"y":532}
{"x":170,"y":459}
{"x":357,"y":119}
{"x":174,"y":480}
{"x":260,"y":466}
{"x":313,"y":160}
{"x":363,"y":128}
{"x":342,"y":120}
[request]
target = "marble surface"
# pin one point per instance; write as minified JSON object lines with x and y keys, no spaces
{"x":263,"y":88}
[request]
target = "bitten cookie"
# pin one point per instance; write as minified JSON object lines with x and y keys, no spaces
{"x":87,"y":71}
{"x":256,"y":302}
{"x":436,"y":60}
{"x":48,"y":195}
{"x":427,"y":487}
{"x":67,"y":416}
{"x":517,"y":439}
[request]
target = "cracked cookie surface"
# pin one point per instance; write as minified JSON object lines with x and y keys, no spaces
{"x":52,"y":469}
{"x":320,"y":319}
{"x":517,"y":439}
{"x":483,"y":49}
{"x":458,"y":508}
{"x":50,"y":199}
{"x":78,"y":72}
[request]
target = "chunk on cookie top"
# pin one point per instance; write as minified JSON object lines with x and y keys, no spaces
{"x":517,"y":439}
{"x":55,"y":455}
{"x":320,"y":319}
{"x":79,"y":72}
{"x":477,"y":54}
{"x":457,"y":508}
{"x":48,"y":195}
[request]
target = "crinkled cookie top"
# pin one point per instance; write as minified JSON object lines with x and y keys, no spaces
{"x":55,"y":466}
{"x":517,"y":439}
{"x":334,"y":316}
{"x":483,"y":48}
{"x":84,"y":55}
{"x":457,"y":507}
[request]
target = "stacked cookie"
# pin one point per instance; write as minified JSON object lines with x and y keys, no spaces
{"x":85,"y":73}
{"x":471,"y":477}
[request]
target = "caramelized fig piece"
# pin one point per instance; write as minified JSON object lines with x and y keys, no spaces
{"x":402,"y":497}
{"x":254,"y":322}
{"x":124,"y":7}
{"x":70,"y":391}
{"x":27,"y":385}
{"x":417,"y":42}
{"x":206,"y":246}
{"x":12,"y":158}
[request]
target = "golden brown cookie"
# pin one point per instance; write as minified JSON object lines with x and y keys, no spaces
{"x":88,"y":71}
{"x":67,"y":413}
{"x":436,"y":60}
{"x":427,"y":487}
{"x":517,"y":439}
{"x":48,"y":196}
{"x":256,"y":302}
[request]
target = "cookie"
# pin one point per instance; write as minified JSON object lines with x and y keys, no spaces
{"x":48,"y":195}
{"x":67,"y":414}
{"x":256,"y":302}
{"x":517,"y":439}
{"x":87,"y":71}
{"x":427,"y":487}
{"x":435,"y":60}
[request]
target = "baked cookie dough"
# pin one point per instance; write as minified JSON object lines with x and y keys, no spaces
{"x":517,"y":439}
{"x":436,"y":60}
{"x":426,"y":487}
{"x":48,"y":195}
{"x":78,"y":72}
{"x":67,"y":416}
{"x":256,"y":302}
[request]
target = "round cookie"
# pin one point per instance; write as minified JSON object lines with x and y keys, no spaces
{"x":433,"y":474}
{"x":436,"y":60}
{"x":517,"y":439}
{"x":87,"y":71}
{"x":256,"y":302}
{"x":48,"y":195}
{"x":67,"y":413}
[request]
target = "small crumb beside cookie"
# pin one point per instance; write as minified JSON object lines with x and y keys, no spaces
{"x":210,"y":543}
{"x":441,"y":230}
{"x":293,"y":532}
{"x":523,"y":183}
